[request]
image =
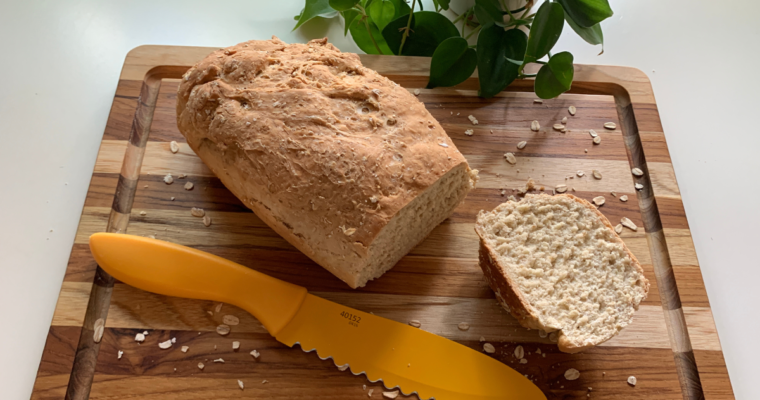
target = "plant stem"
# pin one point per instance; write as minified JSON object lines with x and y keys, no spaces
{"x":528,"y":6}
{"x":408,"y":26}
{"x":369,"y":32}
{"x":474,"y":31}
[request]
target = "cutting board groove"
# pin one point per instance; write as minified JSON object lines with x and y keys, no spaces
{"x":672,"y":347}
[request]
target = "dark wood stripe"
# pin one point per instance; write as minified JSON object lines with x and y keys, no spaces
{"x":124,"y":195}
{"x":604,"y":369}
{"x":688,"y":375}
{"x":85,"y":359}
{"x":713,"y":373}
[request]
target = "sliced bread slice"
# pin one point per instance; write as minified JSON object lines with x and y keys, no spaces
{"x":556,"y":264}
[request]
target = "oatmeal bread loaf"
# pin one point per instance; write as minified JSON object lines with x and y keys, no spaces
{"x":556,"y":264}
{"x":345,"y":164}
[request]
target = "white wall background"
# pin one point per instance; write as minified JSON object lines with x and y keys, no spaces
{"x":60,"y":62}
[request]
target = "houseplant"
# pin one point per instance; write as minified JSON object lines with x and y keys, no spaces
{"x":502,"y":47}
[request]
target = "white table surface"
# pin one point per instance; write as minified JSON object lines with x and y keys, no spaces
{"x":60,"y":65}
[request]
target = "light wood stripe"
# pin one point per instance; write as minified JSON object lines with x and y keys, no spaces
{"x":456,"y":240}
{"x":548,"y":172}
{"x":136,"y":309}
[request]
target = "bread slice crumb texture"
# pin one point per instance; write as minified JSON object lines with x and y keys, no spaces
{"x":565,"y":267}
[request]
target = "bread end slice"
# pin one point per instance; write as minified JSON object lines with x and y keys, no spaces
{"x":556,"y":264}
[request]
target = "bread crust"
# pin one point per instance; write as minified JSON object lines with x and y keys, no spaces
{"x":511,"y":298}
{"x":322,"y":149}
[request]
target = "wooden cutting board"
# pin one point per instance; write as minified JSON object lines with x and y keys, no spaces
{"x":672,"y":347}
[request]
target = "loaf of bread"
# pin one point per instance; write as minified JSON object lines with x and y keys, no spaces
{"x":346,"y":165}
{"x":556,"y":264}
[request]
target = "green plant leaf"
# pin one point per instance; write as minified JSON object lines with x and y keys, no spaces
{"x":348,"y":18}
{"x":401,"y":8}
{"x":444,"y":4}
{"x":545,"y":30}
{"x":555,"y":77}
{"x":592,"y":35}
{"x":313,"y":9}
{"x":489,"y":12}
{"x":428,"y":30}
{"x":587,"y":13}
{"x":452,"y":63}
{"x":343,"y":5}
{"x":361,"y":37}
{"x":382,"y":12}
{"x":495,"y":46}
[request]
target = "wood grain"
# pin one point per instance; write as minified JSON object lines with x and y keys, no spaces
{"x":672,"y":346}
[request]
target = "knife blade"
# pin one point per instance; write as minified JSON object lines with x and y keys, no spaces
{"x":399,"y":355}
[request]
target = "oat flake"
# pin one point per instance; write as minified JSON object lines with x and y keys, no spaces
{"x":572,"y":374}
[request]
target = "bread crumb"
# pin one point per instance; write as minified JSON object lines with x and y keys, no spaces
{"x":189,"y":186}
{"x":523,"y":361}
{"x":255,"y":353}
{"x":165,"y":344}
{"x":235,"y":345}
{"x":482,"y":339}
{"x":472,"y":119}
{"x":264,"y":381}
{"x":219,"y":360}
{"x":119,"y":354}
{"x":139,"y":338}
{"x":469,"y":132}
{"x":416,"y":92}
{"x":185,"y":349}
{"x":201,"y":366}
{"x":624,"y":198}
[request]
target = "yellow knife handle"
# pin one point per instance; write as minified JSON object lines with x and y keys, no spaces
{"x":173,"y":270}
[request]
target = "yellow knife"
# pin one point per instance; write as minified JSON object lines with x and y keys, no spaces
{"x":401,"y":356}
